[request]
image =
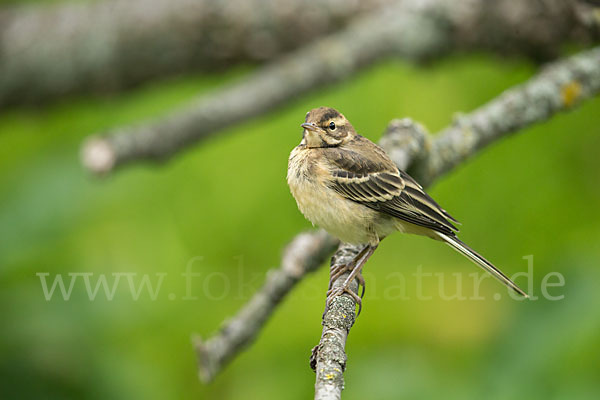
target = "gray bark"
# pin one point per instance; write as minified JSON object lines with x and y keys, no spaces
{"x":49,"y":51}
{"x":412,"y":29}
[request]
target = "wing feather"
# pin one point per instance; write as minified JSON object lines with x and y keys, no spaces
{"x":417,"y":190}
{"x":385,"y":188}
{"x":372,"y":188}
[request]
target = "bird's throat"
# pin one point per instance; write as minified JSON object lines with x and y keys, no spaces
{"x":312,"y":139}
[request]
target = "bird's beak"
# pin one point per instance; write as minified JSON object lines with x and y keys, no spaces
{"x":310,"y":126}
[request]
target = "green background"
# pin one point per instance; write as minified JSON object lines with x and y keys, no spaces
{"x":226,"y":200}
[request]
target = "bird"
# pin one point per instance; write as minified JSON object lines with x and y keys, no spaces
{"x":348,"y":185}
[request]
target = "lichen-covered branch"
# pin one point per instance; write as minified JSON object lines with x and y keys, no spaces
{"x":427,"y":157}
{"x":49,"y":51}
{"x":558,"y":87}
{"x":328,"y":358}
{"x":303,"y":255}
{"x":412,"y":29}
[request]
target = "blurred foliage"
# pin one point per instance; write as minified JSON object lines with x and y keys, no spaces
{"x":227,"y":201}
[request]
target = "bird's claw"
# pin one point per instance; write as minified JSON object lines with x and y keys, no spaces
{"x":333,"y":293}
{"x":341,"y":269}
{"x":354,"y":268}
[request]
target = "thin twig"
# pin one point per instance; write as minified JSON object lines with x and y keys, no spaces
{"x":412,"y":29}
{"x":328,"y":358}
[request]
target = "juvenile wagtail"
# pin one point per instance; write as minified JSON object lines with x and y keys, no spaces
{"x":348,"y":185}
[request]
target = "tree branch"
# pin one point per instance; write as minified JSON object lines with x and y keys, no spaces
{"x":328,"y":358}
{"x":324,"y":62}
{"x":412,"y":29}
{"x":558,"y":87}
{"x":50,"y":51}
{"x":303,"y":255}
{"x":427,"y":157}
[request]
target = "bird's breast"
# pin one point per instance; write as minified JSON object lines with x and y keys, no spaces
{"x":302,"y":176}
{"x":307,"y":177}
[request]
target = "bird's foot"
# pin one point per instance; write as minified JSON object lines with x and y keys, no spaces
{"x":339,"y":270}
{"x":355,"y":268}
{"x":333,"y":293}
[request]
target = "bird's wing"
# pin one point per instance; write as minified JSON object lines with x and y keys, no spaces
{"x":417,"y":190}
{"x":366,"y":175}
{"x":379,"y":185}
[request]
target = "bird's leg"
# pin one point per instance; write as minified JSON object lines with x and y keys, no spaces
{"x":358,"y":262}
{"x":361,"y":283}
{"x":341,"y":269}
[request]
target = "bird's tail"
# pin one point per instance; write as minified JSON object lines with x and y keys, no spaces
{"x":461,"y":247}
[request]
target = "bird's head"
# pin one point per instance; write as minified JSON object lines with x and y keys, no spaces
{"x":326,"y":127}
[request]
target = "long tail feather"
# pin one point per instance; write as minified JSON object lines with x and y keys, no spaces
{"x":461,"y":247}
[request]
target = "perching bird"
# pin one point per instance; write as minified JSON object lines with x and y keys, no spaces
{"x":348,"y":186}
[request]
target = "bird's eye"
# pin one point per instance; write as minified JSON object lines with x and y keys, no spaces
{"x":332,"y":125}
